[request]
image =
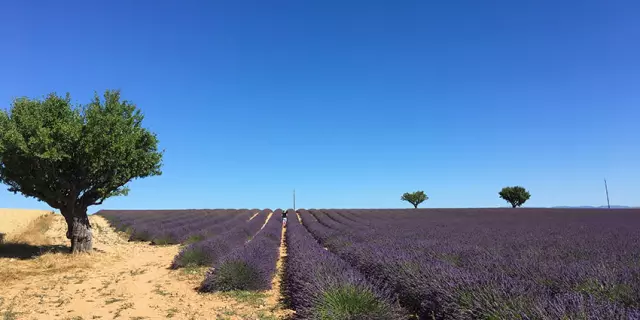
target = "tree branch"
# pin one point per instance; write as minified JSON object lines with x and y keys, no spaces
{"x":54,"y":203}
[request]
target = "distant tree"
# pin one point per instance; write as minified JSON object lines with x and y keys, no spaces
{"x":516,"y":196}
{"x":415,"y":198}
{"x":74,"y":157}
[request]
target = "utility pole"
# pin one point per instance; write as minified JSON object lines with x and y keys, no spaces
{"x":294,"y":200}
{"x":607,"y":190}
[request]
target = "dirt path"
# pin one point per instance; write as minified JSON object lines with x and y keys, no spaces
{"x":275,"y":294}
{"x":122,"y":280}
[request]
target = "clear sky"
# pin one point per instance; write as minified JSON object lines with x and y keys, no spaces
{"x":351,"y":103}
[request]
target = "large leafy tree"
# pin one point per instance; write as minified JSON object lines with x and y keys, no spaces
{"x":516,"y":196}
{"x":72,"y":157}
{"x":415,"y":198}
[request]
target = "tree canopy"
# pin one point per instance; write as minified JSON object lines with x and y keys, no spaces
{"x":516,"y":195}
{"x":415,"y":198}
{"x":72,"y":157}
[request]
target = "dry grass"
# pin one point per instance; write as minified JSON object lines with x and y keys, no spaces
{"x":13,"y":221}
{"x":46,"y":264}
{"x":35,"y":232}
{"x":31,"y":252}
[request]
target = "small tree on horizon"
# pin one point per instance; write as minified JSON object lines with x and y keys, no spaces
{"x":75,"y":157}
{"x":415,"y":198}
{"x":516,"y":195}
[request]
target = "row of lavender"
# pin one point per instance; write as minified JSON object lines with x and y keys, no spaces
{"x":250,"y":266}
{"x":209,"y":251}
{"x":470,"y":264}
{"x":173,"y":226}
{"x":207,"y":234}
{"x":240,"y":246}
{"x":320,"y":285}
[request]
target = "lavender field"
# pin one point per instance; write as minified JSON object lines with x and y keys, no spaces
{"x":414,"y":264}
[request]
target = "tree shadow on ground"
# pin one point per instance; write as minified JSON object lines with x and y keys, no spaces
{"x":27,"y":251}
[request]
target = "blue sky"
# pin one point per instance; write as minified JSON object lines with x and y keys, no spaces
{"x":351,"y":103}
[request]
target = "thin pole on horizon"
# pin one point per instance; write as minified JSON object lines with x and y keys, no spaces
{"x":294,"y":200}
{"x":607,"y":190}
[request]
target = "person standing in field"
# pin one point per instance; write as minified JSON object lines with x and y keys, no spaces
{"x":284,"y":218}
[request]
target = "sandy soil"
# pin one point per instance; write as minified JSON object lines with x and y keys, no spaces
{"x":13,"y":221}
{"x":121,"y":280}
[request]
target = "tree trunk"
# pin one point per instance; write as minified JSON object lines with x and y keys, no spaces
{"x":415,"y":206}
{"x":78,"y":229}
{"x":513,"y":205}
